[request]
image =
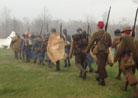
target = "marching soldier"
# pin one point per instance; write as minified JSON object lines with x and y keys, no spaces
{"x":66,"y":38}
{"x":46,"y":55}
{"x":80,"y":42}
{"x":37,"y":48}
{"x":102,"y":41}
{"x":115,"y":44}
{"x":126,"y":52}
{"x":22,"y":46}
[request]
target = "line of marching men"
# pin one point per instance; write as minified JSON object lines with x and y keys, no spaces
{"x":81,"y":46}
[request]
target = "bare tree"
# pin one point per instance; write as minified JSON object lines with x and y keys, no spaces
{"x":27,"y":25}
{"x":5,"y":21}
{"x":135,"y":1}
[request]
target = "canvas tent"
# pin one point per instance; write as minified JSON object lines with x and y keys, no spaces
{"x":5,"y":43}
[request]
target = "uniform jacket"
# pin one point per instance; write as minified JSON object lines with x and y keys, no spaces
{"x":127,"y":44}
{"x":67,"y":37}
{"x":101,"y":38}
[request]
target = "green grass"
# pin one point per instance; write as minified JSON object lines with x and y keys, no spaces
{"x":27,"y":80}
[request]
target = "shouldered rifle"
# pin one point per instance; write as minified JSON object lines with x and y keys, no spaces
{"x":133,"y":29}
{"x":60,"y":29}
{"x":28,"y":29}
{"x":106,"y":26}
{"x":88,"y":29}
{"x":47,"y":27}
{"x":41,"y":30}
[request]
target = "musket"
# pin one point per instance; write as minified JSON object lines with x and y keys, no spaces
{"x":106,"y":26}
{"x":88,"y":29}
{"x":41,"y":30}
{"x":47,"y":27}
{"x":60,"y":29}
{"x":134,"y":26}
{"x":28,"y":29}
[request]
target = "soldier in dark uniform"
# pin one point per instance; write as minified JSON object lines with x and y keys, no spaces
{"x":115,"y":44}
{"x":103,"y":41}
{"x":46,"y":55}
{"x":22,"y":47}
{"x":66,"y":38}
{"x":80,"y":42}
{"x":127,"y":52}
{"x":37,"y":47}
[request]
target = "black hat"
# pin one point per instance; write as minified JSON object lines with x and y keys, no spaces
{"x":53,"y":30}
{"x":79,"y":30}
{"x":65,"y":30}
{"x":117,"y":31}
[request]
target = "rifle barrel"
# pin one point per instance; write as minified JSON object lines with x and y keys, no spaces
{"x":133,"y":29}
{"x":106,"y":26}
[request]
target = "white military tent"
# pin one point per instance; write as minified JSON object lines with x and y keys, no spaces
{"x":5,"y":43}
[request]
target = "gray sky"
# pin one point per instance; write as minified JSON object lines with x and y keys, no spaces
{"x":71,"y":9}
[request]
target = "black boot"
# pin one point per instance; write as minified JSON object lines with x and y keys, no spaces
{"x":124,"y":88}
{"x":102,"y":82}
{"x":69,"y":65}
{"x":96,"y":71}
{"x":57,"y":66}
{"x":91,"y":70}
{"x":65,"y":63}
{"x":84,"y":76}
{"x":34,"y":60}
{"x":97,"y":78}
{"x":81,"y":74}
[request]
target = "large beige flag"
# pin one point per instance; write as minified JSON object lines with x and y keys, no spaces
{"x":56,"y":48}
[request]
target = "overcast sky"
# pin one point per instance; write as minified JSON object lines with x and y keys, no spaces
{"x":71,"y":9}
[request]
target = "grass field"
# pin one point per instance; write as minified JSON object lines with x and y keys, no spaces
{"x":28,"y":80}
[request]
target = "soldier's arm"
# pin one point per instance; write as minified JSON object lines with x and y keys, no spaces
{"x":110,"y":40}
{"x":120,"y":50}
{"x":91,"y":42}
{"x":71,"y":49}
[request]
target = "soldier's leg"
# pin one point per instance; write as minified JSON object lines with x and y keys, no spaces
{"x":102,"y":58}
{"x":65,"y":62}
{"x":40,"y":57}
{"x":23,"y":55}
{"x":135,"y":91}
{"x":119,"y":71}
{"x":90,"y":60}
{"x":124,"y":88}
{"x":35,"y":57}
{"x":15,"y":56}
{"x":57,"y":65}
{"x":130,"y":76}
{"x":68,"y":60}
{"x":48,"y":60}
{"x":83,"y":59}
{"x":26,"y":53}
{"x":78,"y":64}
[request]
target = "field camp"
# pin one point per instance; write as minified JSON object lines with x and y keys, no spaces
{"x":69,"y":49}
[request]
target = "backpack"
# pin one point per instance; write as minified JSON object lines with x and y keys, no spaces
{"x":80,"y":41}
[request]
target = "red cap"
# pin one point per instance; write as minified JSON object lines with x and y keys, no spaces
{"x":100,"y":24}
{"x":127,"y":32}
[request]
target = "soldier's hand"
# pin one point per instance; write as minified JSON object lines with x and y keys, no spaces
{"x":84,"y":51}
{"x":70,"y":56}
{"x":65,"y":43}
{"x":111,"y":65}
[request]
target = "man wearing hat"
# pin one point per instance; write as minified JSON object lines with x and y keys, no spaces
{"x":102,"y":41}
{"x":115,"y":44}
{"x":80,"y":42}
{"x":67,"y":39}
{"x":37,"y":48}
{"x":127,"y":52}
